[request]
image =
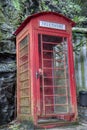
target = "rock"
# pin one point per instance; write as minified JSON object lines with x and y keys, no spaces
{"x":7,"y":81}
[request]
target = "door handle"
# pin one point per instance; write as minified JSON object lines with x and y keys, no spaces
{"x":37,"y":75}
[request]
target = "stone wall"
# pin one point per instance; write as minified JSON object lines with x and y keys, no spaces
{"x":80,"y":60}
{"x":7,"y":80}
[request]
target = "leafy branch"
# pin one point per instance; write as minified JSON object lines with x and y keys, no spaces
{"x":77,"y":47}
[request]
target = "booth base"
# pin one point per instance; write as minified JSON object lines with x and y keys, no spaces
{"x":54,"y":125}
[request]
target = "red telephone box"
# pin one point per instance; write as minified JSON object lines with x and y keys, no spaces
{"x":46,"y":90}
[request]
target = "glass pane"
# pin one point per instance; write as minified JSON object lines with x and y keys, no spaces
{"x":24,"y":76}
{"x":59,"y":82}
{"x":61,"y":109}
{"x":47,"y":63}
{"x":24,"y":41}
{"x":24,"y":59}
{"x":59,"y":73}
{"x":60,"y":100}
{"x":25,"y":110}
{"x":24,"y":67}
{"x":60,"y":90}
{"x":24,"y":51}
{"x":47,"y":46}
{"x":24,"y":84}
{"x":24,"y":92}
{"x":24,"y":101}
{"x":49,"y":38}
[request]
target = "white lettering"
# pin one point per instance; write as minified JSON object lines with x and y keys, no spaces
{"x":52,"y":25}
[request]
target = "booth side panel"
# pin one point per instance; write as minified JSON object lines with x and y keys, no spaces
{"x":72,"y":78}
{"x":23,"y":77}
{"x":74,"y":84}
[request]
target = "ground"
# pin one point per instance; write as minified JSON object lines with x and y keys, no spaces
{"x":76,"y":127}
{"x":82,"y":124}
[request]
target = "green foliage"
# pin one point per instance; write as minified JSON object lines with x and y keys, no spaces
{"x":83,"y":5}
{"x":2,"y":19}
{"x":66,"y":7}
{"x":14,"y":127}
{"x":69,"y":8}
{"x":82,"y":41}
{"x":24,"y":125}
{"x":14,"y":12}
{"x":79,"y":19}
{"x":27,"y":125}
{"x":21,"y":9}
{"x":16,"y":4}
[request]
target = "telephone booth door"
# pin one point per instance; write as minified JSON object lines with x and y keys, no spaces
{"x":53,"y":77}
